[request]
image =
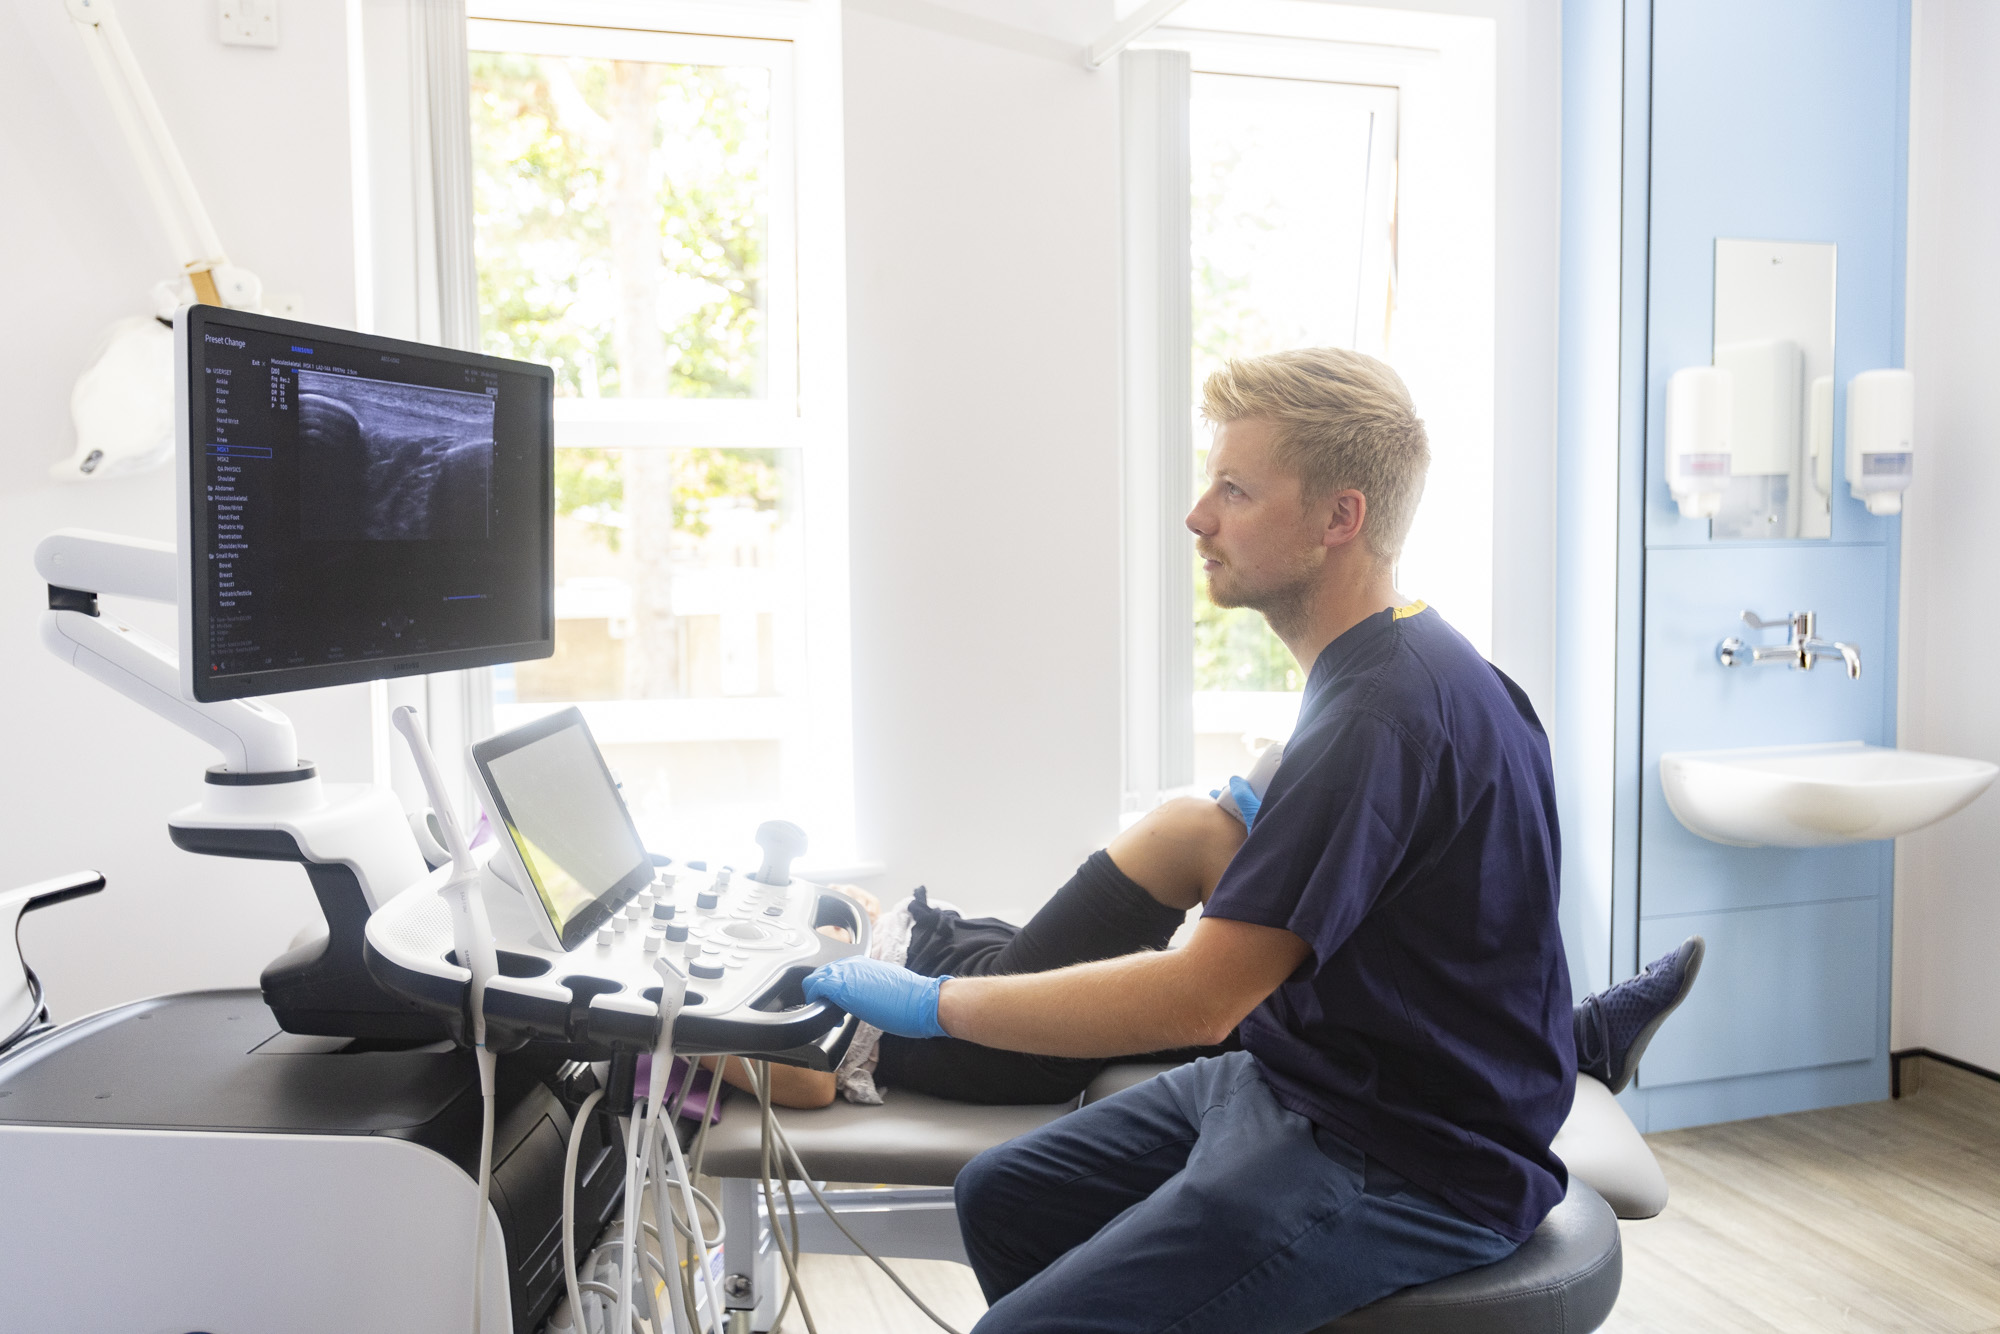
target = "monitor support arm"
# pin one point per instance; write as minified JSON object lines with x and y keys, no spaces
{"x":78,"y":565}
{"x":261,"y":803}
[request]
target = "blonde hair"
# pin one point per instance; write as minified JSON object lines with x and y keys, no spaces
{"x":1343,"y":420}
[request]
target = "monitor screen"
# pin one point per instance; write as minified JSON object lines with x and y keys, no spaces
{"x":555,"y":799}
{"x":358,"y":507}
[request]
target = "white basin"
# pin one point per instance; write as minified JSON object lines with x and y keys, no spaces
{"x":1816,"y":796}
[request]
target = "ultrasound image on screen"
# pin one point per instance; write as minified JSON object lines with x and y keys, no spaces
{"x":386,"y":462}
{"x":360,"y":507}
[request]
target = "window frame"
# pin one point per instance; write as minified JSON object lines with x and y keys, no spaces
{"x":1441,"y":67}
{"x":804,"y":407}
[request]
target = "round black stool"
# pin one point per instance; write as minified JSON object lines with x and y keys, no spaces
{"x":1563,"y":1280}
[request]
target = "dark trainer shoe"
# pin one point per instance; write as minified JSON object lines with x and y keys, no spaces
{"x":1618,"y":1022}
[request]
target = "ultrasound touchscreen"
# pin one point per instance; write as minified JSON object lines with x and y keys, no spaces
{"x":559,"y":806}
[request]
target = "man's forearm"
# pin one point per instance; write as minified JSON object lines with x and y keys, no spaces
{"x":1150,"y":1001}
{"x":1116,"y":1007}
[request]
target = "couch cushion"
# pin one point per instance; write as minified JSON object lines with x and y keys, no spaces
{"x":910,"y":1140}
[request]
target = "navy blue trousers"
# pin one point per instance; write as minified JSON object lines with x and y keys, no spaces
{"x":1196,"y":1202}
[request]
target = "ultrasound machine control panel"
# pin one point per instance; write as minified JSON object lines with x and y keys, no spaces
{"x":581,"y":916}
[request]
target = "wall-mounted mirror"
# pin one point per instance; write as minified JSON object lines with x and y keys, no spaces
{"x":1774,"y":335}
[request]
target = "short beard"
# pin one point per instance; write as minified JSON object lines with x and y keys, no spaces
{"x":1287,"y":607}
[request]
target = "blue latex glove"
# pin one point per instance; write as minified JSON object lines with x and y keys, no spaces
{"x":891,"y":997}
{"x":1247,"y":801}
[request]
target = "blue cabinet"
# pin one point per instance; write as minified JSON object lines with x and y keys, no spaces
{"x":1765,"y":119}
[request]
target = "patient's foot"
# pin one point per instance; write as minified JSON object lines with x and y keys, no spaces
{"x":1613,"y":1026}
{"x":869,"y":902}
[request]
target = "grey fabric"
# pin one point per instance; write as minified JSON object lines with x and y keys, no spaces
{"x":1563,"y":1280}
{"x":911,"y":1140}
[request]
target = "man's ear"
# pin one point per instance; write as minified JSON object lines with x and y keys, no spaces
{"x":1346,"y":512}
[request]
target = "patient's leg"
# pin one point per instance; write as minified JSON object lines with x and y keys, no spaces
{"x":1130,"y":896}
{"x":1177,"y":852}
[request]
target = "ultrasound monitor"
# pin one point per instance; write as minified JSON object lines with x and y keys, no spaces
{"x":355,"y":508}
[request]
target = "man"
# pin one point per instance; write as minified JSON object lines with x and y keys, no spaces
{"x":1384,"y":940}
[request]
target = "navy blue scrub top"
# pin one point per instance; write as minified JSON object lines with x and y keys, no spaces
{"x":1409,"y":837}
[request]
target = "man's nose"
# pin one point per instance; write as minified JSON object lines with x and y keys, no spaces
{"x":1198,"y":520}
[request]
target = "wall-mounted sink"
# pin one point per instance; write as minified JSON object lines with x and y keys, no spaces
{"x":1816,"y":796}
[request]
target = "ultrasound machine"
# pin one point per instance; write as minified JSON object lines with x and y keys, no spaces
{"x":427,"y":1113}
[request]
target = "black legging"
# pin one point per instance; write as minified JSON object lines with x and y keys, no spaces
{"x":1102,"y":913}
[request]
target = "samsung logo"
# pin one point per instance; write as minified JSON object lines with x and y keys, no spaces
{"x":218,"y":338}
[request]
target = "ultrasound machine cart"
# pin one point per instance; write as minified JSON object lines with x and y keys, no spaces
{"x":304,"y":1156}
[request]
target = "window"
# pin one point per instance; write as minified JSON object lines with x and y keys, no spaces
{"x":1291,"y":229}
{"x":1340,"y":191}
{"x":644,"y":228}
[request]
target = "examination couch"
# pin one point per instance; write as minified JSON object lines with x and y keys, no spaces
{"x":1564,"y":1280}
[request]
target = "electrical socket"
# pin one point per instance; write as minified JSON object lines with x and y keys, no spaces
{"x":248,"y":22}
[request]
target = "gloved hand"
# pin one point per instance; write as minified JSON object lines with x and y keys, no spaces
{"x":1248,"y":803}
{"x":892,"y":998}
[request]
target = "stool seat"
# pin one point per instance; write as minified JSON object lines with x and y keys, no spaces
{"x":1563,"y":1280}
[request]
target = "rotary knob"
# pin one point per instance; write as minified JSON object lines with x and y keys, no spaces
{"x":707,"y":968}
{"x":708,"y":898}
{"x":677,"y":930}
{"x":663,"y":912}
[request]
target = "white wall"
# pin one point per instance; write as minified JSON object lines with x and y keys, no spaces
{"x":87,"y":779}
{"x":982,"y":224}
{"x":1947,"y":987}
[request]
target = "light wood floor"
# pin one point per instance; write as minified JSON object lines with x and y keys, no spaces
{"x":1877,"y":1218}
{"x":1880,"y":1217}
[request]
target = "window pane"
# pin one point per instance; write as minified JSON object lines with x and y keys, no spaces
{"x":1280,"y":177}
{"x":678,"y":629}
{"x":623,"y":214}
{"x":1281,"y":227}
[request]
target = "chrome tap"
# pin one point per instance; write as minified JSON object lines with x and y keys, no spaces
{"x":1803,"y":650}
